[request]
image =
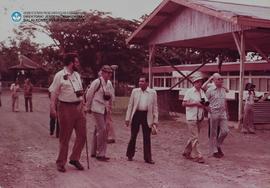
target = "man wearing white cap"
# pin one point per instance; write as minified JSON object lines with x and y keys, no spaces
{"x":195,"y":102}
{"x":218,"y":115}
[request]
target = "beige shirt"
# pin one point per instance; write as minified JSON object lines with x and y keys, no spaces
{"x":94,"y":96}
{"x":65,"y":85}
{"x":193,"y":95}
{"x":249,"y":99}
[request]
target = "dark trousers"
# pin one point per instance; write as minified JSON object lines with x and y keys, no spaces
{"x":140,"y":118}
{"x":54,"y":124}
{"x":28,"y":100}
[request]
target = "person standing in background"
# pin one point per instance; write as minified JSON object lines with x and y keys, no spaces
{"x":28,"y":93}
{"x":0,"y":92}
{"x":15,"y":88}
{"x":110,"y":128}
{"x":54,"y":124}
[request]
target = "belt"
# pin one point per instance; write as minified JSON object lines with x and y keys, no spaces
{"x":71,"y":103}
{"x":143,"y":111}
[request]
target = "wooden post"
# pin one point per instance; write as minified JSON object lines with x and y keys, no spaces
{"x":241,"y":78}
{"x":240,"y":44}
{"x":150,"y":63}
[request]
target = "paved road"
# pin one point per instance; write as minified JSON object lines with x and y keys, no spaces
{"x":28,"y":153}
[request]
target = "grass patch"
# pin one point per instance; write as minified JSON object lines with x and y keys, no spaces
{"x":120,"y":105}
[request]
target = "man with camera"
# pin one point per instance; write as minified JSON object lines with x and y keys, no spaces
{"x":67,"y":89}
{"x":97,"y":96}
{"x":218,"y":115}
{"x":196,"y":103}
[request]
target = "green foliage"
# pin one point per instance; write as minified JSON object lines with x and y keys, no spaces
{"x":99,"y":39}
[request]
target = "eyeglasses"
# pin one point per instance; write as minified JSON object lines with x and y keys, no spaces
{"x":108,"y":72}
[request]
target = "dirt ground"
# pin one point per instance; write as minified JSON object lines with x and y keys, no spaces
{"x":28,"y":154}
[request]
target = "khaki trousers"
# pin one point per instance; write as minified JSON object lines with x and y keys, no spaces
{"x":193,"y":142}
{"x":248,"y":118}
{"x":71,"y":116}
{"x":99,"y":140}
{"x":215,"y":141}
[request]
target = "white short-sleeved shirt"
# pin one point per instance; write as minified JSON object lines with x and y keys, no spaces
{"x":192,"y":95}
{"x":65,"y":85}
{"x":249,"y":98}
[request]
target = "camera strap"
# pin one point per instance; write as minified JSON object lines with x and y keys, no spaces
{"x":200,"y":118}
{"x":79,"y":87}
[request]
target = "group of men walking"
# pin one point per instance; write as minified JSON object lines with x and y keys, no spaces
{"x":197,"y":102}
{"x":72,"y":106}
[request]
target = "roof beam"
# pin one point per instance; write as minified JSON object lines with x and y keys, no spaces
{"x":149,"y":27}
{"x":164,"y":14}
{"x":236,"y":38}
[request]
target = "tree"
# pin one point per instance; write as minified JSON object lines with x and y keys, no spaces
{"x":99,"y":39}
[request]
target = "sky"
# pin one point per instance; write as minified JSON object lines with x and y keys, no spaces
{"x":128,"y":9}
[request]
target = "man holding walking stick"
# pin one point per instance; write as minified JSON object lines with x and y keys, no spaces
{"x":67,"y":88}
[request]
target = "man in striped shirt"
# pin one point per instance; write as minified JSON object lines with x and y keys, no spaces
{"x":218,"y":115}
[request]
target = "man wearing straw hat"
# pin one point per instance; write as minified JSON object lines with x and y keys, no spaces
{"x":195,"y":102}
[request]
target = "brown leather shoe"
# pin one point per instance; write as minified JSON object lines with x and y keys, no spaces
{"x":61,"y":168}
{"x":77,"y":164}
{"x":199,"y":160}
{"x":216,"y":155}
{"x":220,"y":152}
{"x":150,"y":162}
{"x":102,"y":158}
{"x":187,"y":155}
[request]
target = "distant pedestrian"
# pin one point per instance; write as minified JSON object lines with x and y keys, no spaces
{"x":28,"y":93}
{"x":250,"y":98}
{"x":0,"y":92}
{"x":67,"y":89}
{"x":15,"y":88}
{"x":54,"y":123}
{"x":218,"y":115}
{"x":196,"y":103}
{"x":110,"y":128}
{"x":142,"y":110}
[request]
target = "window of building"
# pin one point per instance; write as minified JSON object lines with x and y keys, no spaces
{"x":168,"y":82}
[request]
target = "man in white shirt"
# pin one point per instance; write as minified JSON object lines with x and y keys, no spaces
{"x":67,"y":89}
{"x":195,"y":102}
{"x":142,"y":110}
